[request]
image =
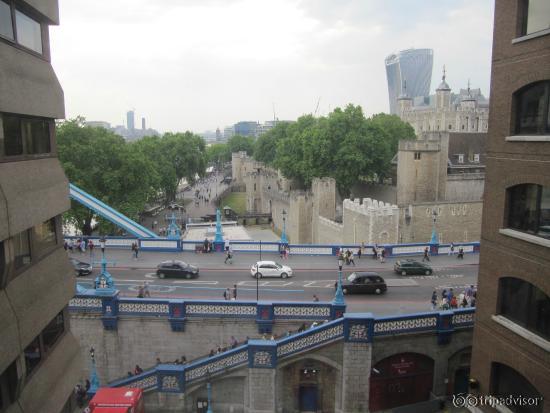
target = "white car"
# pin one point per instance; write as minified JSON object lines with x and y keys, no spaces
{"x":270,"y":269}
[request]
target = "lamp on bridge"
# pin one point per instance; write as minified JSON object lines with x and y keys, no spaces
{"x":434,"y":239}
{"x":284,"y":240}
{"x":104,"y":283}
{"x":209,"y":391}
{"x":339,"y":295}
{"x":94,"y":380}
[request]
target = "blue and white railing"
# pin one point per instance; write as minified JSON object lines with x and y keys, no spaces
{"x":109,"y":213}
{"x":171,"y":245}
{"x":361,"y":327}
{"x":178,"y":311}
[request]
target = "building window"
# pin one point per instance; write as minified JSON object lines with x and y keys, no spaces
{"x":6,"y":25}
{"x":529,"y":209}
{"x":476,"y":157}
{"x":506,"y":382}
{"x":26,"y":31}
{"x":22,"y":249}
{"x":45,"y":235}
{"x":9,"y":382}
{"x":532,"y":103}
{"x":44,"y":342}
{"x":524,"y":304}
{"x":417,"y":156}
{"x":536,"y":16}
{"x":460,"y":158}
{"x":450,"y":126}
{"x":24,"y":136}
{"x":29,"y":32}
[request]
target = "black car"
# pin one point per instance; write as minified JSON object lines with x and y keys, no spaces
{"x":364,"y":283}
{"x":81,"y":268}
{"x":412,"y":267}
{"x":178,"y":269}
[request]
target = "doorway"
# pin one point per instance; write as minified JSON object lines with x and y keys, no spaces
{"x":308,"y":398}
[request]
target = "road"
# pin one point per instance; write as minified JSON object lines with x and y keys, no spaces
{"x":312,"y":275}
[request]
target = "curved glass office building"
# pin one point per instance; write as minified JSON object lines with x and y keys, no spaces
{"x":413,"y":66}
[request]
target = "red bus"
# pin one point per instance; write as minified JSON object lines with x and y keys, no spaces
{"x":117,"y":400}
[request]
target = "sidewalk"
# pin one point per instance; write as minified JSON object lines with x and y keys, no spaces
{"x":243,"y":260}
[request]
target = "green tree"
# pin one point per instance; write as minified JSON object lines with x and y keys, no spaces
{"x":266,"y":144}
{"x":238,"y":143}
{"x":103,"y":164}
{"x":217,"y":154}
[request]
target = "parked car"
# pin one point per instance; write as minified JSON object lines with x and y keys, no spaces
{"x":177,"y":269}
{"x":412,"y":267}
{"x":81,"y":268}
{"x":270,"y":269}
{"x":363,"y":283}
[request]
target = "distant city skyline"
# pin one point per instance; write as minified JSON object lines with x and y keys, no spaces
{"x":209,"y":64}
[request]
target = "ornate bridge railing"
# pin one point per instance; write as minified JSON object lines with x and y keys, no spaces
{"x":177,"y":311}
{"x":360,"y":327}
{"x":171,"y":245}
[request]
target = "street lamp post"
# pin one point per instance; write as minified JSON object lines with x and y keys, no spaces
{"x":434,"y":239}
{"x":284,"y":240}
{"x":209,"y":392}
{"x":94,"y":380}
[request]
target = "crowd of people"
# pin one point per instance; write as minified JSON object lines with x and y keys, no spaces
{"x":449,"y":300}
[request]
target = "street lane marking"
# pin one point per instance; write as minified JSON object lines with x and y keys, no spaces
{"x":212,"y":282}
{"x":435,"y":277}
{"x":400,"y":282}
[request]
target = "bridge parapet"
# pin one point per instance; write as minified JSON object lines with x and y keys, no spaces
{"x":352,"y":327}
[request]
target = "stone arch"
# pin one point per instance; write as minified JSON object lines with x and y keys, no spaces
{"x":314,"y":379}
{"x":401,"y":379}
{"x":383,"y":237}
{"x":458,"y":371}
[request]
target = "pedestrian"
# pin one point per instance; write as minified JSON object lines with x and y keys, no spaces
{"x":351,"y":260}
{"x":83,"y":246}
{"x":444,"y":293}
{"x":102,"y":244}
{"x":140,"y":292}
{"x":146,"y":292}
{"x":451,"y":249}
{"x":470,"y":291}
{"x":434,"y":300}
{"x":71,"y":245}
{"x":226,"y":245}
{"x":78,"y":242}
{"x":454,"y":303}
{"x":205,"y":245}
{"x":281,"y":250}
{"x":183,"y":360}
{"x":65,"y":245}
{"x":234,"y":292}
{"x":87,"y":385}
{"x":450,"y":294}
{"x":426,"y":256}
{"x":359,"y":252}
{"x":226,"y":294}
{"x":158,"y":361}
{"x":340,"y":261}
{"x":80,"y":394}
{"x":464,"y":302}
{"x":347,"y":255}
{"x":460,"y":255}
{"x":375,"y":252}
{"x":137,"y":370}
{"x":382,"y":255}
{"x":228,"y":257}
{"x":315,"y":298}
{"x":287,"y":251}
{"x":136,"y":251}
{"x":91,"y":247}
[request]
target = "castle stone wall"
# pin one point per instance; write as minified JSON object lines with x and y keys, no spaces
{"x":467,"y":187}
{"x":328,"y":232}
{"x":370,"y":222}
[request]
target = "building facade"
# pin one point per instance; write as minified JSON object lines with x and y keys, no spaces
{"x":467,"y":111}
{"x":39,"y":357}
{"x":511,"y":349}
{"x":413,"y":68}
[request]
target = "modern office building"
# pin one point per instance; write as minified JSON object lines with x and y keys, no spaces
{"x":246,"y":128}
{"x":39,"y":356}
{"x":413,"y":68}
{"x":130,"y":117}
{"x":511,"y":348}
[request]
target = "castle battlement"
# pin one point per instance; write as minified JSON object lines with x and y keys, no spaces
{"x":370,"y":207}
{"x":420,"y":146}
{"x":331,"y":224}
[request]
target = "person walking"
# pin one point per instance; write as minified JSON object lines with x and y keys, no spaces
{"x":434,"y":300}
{"x":460,"y":255}
{"x":136,"y":251}
{"x":140,"y":292}
{"x":228,"y":256}
{"x":382,"y":255}
{"x":234,"y":292}
{"x":351,"y":260}
{"x":451,"y":249}
{"x":359,"y":252}
{"x":227,"y":294}
{"x":426,"y":256}
{"x":315,"y":298}
{"x":375,"y":252}
{"x":146,"y":293}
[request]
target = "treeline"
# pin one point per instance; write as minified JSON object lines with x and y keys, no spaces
{"x":127,"y":175}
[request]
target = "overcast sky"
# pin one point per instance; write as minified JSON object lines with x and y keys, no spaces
{"x":201,"y":64}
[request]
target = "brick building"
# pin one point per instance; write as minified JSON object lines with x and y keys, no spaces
{"x":511,"y":350}
{"x":39,"y":357}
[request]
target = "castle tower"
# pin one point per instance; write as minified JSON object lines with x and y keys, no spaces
{"x":422,"y":169}
{"x":443,"y":94}
{"x":404,"y":101}
{"x":324,"y":201}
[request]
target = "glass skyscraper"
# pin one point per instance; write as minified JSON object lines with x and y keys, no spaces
{"x":413,"y":66}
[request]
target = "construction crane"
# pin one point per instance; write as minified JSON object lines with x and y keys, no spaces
{"x":317,"y":107}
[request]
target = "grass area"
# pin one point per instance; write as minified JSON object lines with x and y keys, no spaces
{"x":236,"y":201}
